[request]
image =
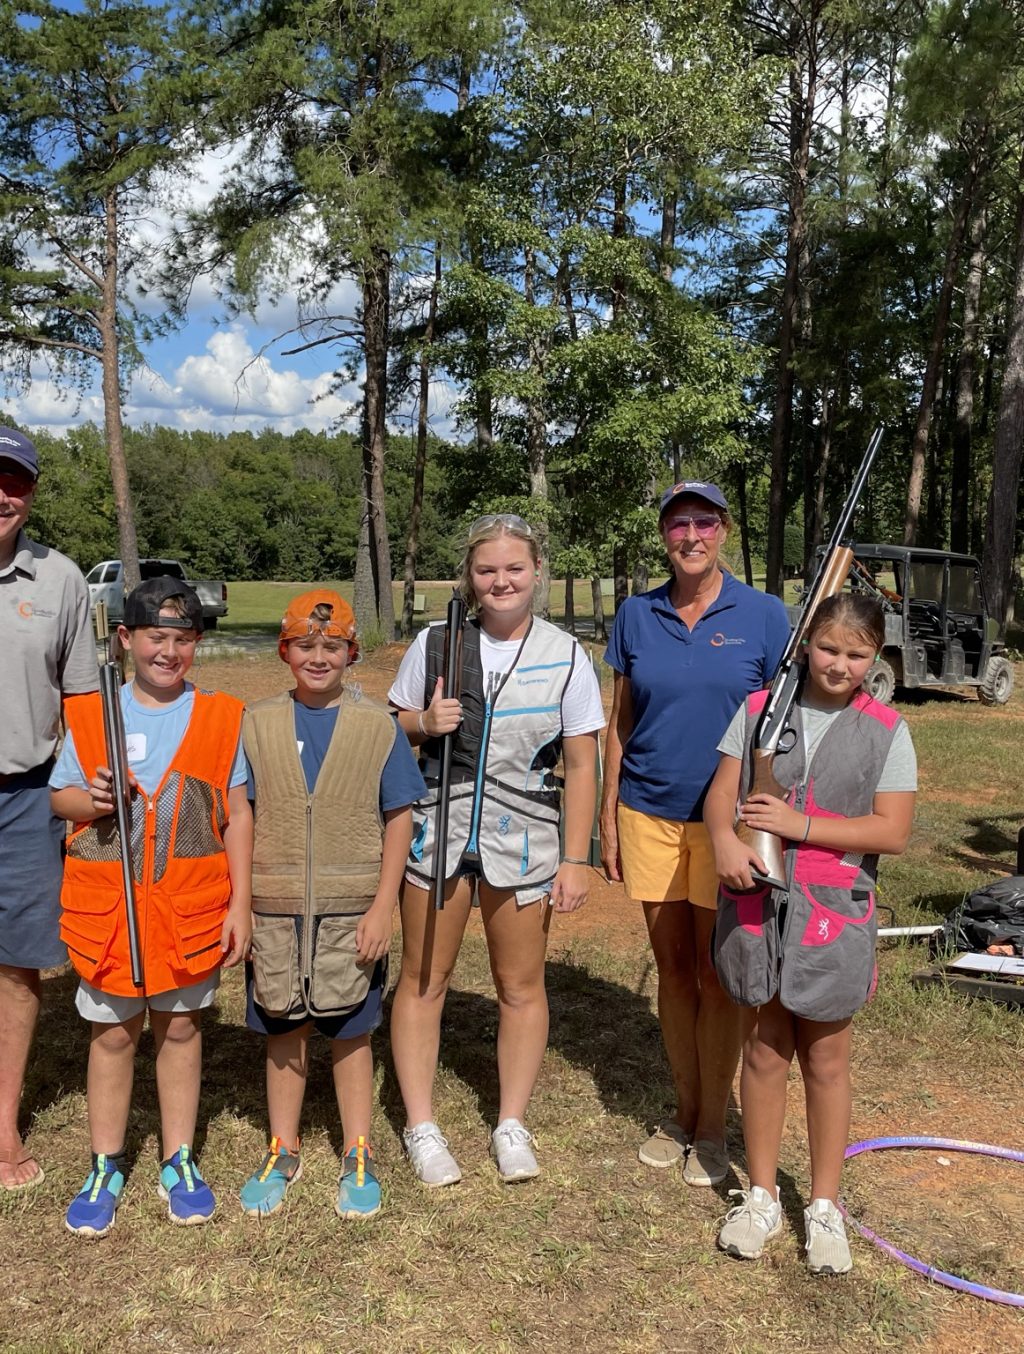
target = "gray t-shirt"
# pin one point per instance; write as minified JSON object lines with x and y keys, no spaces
{"x":47,"y":650}
{"x":898,"y":773}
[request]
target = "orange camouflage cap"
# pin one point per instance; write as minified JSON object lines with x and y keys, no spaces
{"x":297,"y":623}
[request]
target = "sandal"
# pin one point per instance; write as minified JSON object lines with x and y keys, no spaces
{"x":17,"y":1158}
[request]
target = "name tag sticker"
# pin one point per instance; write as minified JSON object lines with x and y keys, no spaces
{"x":136,"y":745}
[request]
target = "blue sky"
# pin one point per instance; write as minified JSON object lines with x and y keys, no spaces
{"x":218,"y":372}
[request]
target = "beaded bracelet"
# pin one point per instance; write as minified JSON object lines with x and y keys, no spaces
{"x":420,"y":725}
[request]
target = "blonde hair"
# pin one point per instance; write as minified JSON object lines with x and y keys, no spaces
{"x":491,"y":532}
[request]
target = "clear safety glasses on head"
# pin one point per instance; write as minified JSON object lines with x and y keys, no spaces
{"x":502,"y":519}
{"x":305,"y":629}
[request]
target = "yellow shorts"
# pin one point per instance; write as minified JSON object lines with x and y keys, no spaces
{"x":664,"y":861}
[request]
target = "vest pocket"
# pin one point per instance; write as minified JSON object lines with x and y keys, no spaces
{"x":89,"y":931}
{"x":197,"y":928}
{"x":745,"y":945}
{"x":275,"y":963}
{"x":338,"y":981}
{"x":829,"y":963}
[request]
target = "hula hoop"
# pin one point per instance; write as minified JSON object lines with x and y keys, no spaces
{"x":939,"y":1276}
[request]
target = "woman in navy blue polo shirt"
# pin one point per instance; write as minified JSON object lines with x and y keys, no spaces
{"x":685,"y":656}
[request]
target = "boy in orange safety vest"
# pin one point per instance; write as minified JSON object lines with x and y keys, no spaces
{"x":192,"y":853}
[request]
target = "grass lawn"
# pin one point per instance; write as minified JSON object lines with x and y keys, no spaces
{"x":260,"y":605}
{"x":600,"y":1253}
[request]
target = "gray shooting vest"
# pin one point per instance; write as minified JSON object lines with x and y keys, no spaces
{"x":813,"y":943}
{"x":505,"y":801}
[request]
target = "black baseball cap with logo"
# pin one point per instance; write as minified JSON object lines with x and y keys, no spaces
{"x":142,"y":605}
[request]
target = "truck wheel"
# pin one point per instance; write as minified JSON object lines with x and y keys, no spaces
{"x":997,"y":683}
{"x":880,"y":682}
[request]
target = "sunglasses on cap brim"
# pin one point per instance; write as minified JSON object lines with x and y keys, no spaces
{"x":306,"y":629}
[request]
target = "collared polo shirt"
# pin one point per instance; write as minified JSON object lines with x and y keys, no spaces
{"x":47,"y":650}
{"x":686,"y":685}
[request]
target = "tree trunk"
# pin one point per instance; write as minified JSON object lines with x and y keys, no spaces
{"x":570,"y":604}
{"x":641,"y":578}
{"x":483,"y":420}
{"x":741,"y":503}
{"x":412,"y":544}
{"x":935,"y":352}
{"x":597,"y":602}
{"x":803,"y":87}
{"x":362,"y":584}
{"x":669,"y":207}
{"x":536,"y":449}
{"x":111,"y":384}
{"x":1007,"y":446}
{"x":619,"y":233}
{"x":375,"y":285}
{"x":620,"y":566}
{"x":966,"y":375}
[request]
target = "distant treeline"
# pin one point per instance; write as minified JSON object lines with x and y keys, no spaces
{"x":286,"y":506}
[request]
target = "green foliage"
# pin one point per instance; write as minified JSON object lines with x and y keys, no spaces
{"x":97,"y":100}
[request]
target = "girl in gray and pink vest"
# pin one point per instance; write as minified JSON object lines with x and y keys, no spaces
{"x":803,"y":957}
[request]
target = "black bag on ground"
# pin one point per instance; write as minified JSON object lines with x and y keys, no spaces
{"x":993,"y":915}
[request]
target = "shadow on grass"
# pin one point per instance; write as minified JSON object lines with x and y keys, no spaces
{"x":993,"y":834}
{"x":602,"y":1028}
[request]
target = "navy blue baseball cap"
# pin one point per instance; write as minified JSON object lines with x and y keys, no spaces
{"x":15,"y":446}
{"x":694,"y":489}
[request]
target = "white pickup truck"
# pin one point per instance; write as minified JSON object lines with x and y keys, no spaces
{"x":106,"y":584}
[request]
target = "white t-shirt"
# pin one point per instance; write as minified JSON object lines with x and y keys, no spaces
{"x":898,"y":774}
{"x":582,"y":711}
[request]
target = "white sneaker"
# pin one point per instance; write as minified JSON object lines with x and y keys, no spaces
{"x":427,"y":1148}
{"x":751,"y":1224}
{"x":828,"y":1251}
{"x":510,"y":1147}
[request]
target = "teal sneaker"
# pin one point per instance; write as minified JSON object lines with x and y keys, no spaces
{"x":358,"y":1188}
{"x":263,"y":1193}
{"x":188,"y":1197}
{"x":93,"y":1211}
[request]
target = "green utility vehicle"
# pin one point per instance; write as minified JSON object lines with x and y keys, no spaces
{"x":938,"y":631}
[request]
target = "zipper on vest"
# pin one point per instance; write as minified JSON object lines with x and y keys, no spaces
{"x":148,"y":871}
{"x":307,"y":920}
{"x":485,"y":737}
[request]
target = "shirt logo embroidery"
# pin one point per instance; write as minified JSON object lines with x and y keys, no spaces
{"x":718,"y":639}
{"x":25,"y":609}
{"x":504,"y":823}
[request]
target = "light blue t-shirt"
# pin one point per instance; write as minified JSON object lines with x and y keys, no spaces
{"x":154,"y":734}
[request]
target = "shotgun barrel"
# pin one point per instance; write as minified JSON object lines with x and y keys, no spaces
{"x":829,"y":578}
{"x":117,"y":760}
{"x":454,"y":625}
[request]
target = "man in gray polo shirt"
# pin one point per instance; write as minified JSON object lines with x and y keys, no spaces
{"x":47,"y":652}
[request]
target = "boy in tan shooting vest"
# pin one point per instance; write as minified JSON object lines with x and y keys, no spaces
{"x":333,"y":779}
